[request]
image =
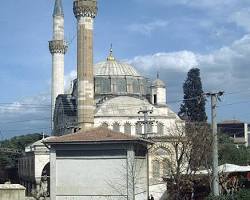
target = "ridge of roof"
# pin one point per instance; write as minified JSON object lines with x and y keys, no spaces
{"x":99,"y":134}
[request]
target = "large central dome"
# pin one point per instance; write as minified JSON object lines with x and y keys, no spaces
{"x":114,"y":68}
{"x":116,"y":78}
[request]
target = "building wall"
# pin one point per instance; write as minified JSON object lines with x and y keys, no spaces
{"x":12,"y":192}
{"x":40,"y":162}
{"x":101,"y":173}
{"x":154,"y":129}
{"x":158,"y":96}
{"x":97,"y":177}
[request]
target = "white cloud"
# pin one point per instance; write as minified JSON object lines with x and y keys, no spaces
{"x":28,"y":105}
{"x":227,"y":68}
{"x":147,"y":28}
{"x":199,"y":3}
{"x":180,"y":61}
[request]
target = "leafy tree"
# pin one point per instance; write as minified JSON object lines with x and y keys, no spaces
{"x":16,"y":143}
{"x":242,"y":194}
{"x":188,"y":150}
{"x":230,"y":153}
{"x":193,"y":107}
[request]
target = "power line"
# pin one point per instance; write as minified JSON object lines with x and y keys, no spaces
{"x":21,"y":130}
{"x":172,"y":101}
{"x":30,"y":120}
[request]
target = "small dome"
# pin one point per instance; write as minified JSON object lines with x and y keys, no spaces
{"x":158,"y":83}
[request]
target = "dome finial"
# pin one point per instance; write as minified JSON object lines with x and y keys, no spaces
{"x":111,"y":57}
{"x":158,"y":76}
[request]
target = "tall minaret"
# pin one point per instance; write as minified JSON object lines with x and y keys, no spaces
{"x":58,"y":48}
{"x":85,"y":12}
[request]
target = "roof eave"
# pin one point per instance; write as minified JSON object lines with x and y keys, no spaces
{"x":99,"y":142}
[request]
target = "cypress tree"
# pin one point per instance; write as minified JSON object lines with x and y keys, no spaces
{"x":193,"y":107}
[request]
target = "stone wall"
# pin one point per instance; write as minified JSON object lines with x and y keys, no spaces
{"x":12,"y":192}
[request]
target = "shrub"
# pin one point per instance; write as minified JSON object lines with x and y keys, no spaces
{"x":243,"y":194}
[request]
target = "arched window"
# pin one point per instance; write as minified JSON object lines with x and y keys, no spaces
{"x":104,"y":125}
{"x":113,"y":85}
{"x":138,"y":128}
{"x":116,"y":127}
{"x":150,"y":128}
{"x":160,"y":128}
{"x":156,"y":169}
{"x":135,"y":86}
{"x":166,"y":167}
{"x":97,"y":85}
{"x":127,"y":128}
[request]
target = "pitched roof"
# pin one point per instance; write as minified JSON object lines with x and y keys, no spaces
{"x":95,"y":135}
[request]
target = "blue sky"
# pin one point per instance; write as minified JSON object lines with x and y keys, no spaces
{"x":169,"y":36}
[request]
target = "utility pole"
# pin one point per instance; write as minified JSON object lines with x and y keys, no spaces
{"x":214,"y":97}
{"x":145,"y":111}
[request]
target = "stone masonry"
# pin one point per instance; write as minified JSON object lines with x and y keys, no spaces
{"x":85,"y":12}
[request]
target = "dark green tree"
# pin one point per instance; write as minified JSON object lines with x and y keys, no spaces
{"x":193,"y":107}
{"x":16,"y":143}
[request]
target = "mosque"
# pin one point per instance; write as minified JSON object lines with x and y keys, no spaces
{"x":120,"y":94}
{"x":110,"y":94}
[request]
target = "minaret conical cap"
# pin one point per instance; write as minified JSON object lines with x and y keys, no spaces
{"x":58,"y":9}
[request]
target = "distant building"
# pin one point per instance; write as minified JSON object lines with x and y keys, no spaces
{"x":237,"y":130}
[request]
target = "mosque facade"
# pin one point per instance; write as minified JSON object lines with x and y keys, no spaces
{"x":121,"y":92}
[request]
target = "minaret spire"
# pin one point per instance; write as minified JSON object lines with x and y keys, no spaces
{"x":58,"y":48}
{"x":58,"y":9}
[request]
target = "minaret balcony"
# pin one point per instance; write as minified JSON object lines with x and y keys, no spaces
{"x":58,"y":46}
{"x":85,"y":8}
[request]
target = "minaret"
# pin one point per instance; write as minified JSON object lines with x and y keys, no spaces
{"x":85,"y":12}
{"x":158,"y":92}
{"x":58,"y":49}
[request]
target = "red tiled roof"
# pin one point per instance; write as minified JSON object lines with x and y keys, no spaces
{"x":94,"y":135}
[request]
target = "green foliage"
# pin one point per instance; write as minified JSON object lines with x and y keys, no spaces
{"x":20,"y":142}
{"x":243,"y":194}
{"x":230,"y":153}
{"x":193,"y":110}
{"x":16,"y":143}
